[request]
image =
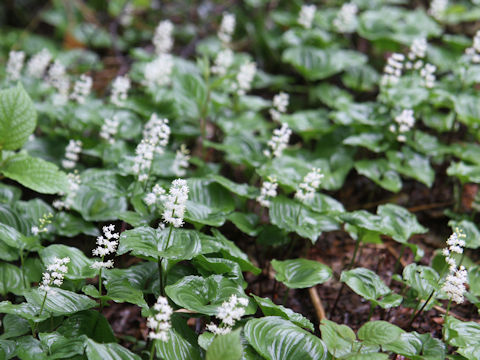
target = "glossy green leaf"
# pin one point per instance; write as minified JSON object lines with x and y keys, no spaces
{"x":95,"y":205}
{"x":226,"y":347}
{"x":301,"y":273}
{"x":59,"y":302}
{"x":279,"y":339}
{"x":422,"y":279}
{"x":205,"y":295}
{"x":112,"y":351}
{"x":79,"y":266}
{"x":35,"y":173}
{"x":417,"y":346}
{"x":18,"y":118}
{"x":181,"y":344}
{"x":269,"y":308}
{"x":338,"y":338}
{"x":379,"y":171}
{"x":14,"y":326}
{"x":60,"y":347}
{"x":413,"y":165}
{"x":90,"y":323}
{"x":464,"y":172}
{"x":11,"y":279}
{"x":120,"y":290}
{"x":15,"y":239}
{"x":379,"y":332}
{"x":368,"y":284}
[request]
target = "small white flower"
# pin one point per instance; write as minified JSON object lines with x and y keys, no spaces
{"x":307,"y":188}
{"x":280,"y":103}
{"x":158,"y":71}
{"x":37,"y":65}
{"x":82,"y":89}
{"x":143,"y":159}
{"x":279,"y":141}
{"x":107,"y":244}
{"x":404,"y":123}
{"x":160,"y":322}
{"x":437,"y":8}
{"x":346,"y":20}
{"x":227,"y":27}
{"x":55,"y":274}
{"x":268,"y":191}
{"x":244,"y":78}
{"x":157,"y":194}
{"x":393,"y":69}
{"x":428,"y":75}
{"x":223,"y":61}
{"x":72,"y":151}
{"x":120,"y":87}
{"x":418,"y":49}
{"x":306,"y":15}
{"x":229,"y":313}
{"x":175,"y":202}
{"x":110,"y":129}
{"x":163,"y":39}
{"x":454,"y":285}
{"x":473,"y":52}
{"x":157,"y":131}
{"x":15,"y":63}
{"x":180,"y":164}
{"x":35,"y":230}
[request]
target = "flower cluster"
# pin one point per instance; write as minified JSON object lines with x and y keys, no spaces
{"x":43,"y":223}
{"x":72,"y":150}
{"x":15,"y":65}
{"x":175,"y":203}
{"x":404,"y":122}
{"x":82,"y":88}
{"x":180,"y":163}
{"x":306,"y":15}
{"x":227,"y":27}
{"x":57,"y":78}
{"x":230,"y":312}
{"x":73,"y":186}
{"x":268,"y":191}
{"x":473,"y":52}
{"x":110,"y":129}
{"x":280,"y":103}
{"x":310,"y":184}
{"x":160,"y":322}
{"x":157,"y":131}
{"x":120,"y":87}
{"x":454,"y":283}
{"x":279,"y":141}
{"x":245,"y":77}
{"x":55,"y":274}
{"x":223,"y":61}
{"x":393,"y":69}
{"x":162,"y":39}
{"x":143,"y":159}
{"x":428,"y":75}
{"x":37,"y":65}
{"x":437,"y":8}
{"x":158,"y":71}
{"x":346,"y":20}
{"x":158,"y":193}
{"x":107,"y":244}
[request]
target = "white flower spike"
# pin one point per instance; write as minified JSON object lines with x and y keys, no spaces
{"x":55,"y":274}
{"x":163,"y":39}
{"x":160,"y":322}
{"x":267,"y":192}
{"x":15,"y":63}
{"x":279,"y":141}
{"x":307,"y":188}
{"x":107,"y":245}
{"x":306,"y":15}
{"x":175,"y":203}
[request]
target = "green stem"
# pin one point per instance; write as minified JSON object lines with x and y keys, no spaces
{"x":415,"y":315}
{"x":23,"y":270}
{"x":100,"y":285}
{"x":372,"y":308}
{"x":397,"y":262}
{"x":445,"y":319}
{"x":163,"y":277}
{"x":34,"y":330}
{"x":152,"y":350}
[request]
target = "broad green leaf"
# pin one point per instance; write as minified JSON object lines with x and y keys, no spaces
{"x":422,"y":279}
{"x":243,"y":190}
{"x":14,"y":326}
{"x":59,"y":302}
{"x":379,"y":171}
{"x":70,"y":225}
{"x":338,"y":338}
{"x":79,"y":266}
{"x":461,"y":333}
{"x":213,"y":265}
{"x":467,"y":108}
{"x":90,"y":323}
{"x":60,"y":347}
{"x":368,"y":284}
{"x":18,"y":118}
{"x":9,"y":194}
{"x":106,"y":181}
{"x":24,"y":310}
{"x":379,"y":332}
{"x":205,"y":295}
{"x":293,"y":216}
{"x":15,"y":239}
{"x":122,"y":291}
{"x":399,"y":223}
{"x":181,"y":344}
{"x":112,"y":351}
{"x":95,"y":205}
{"x":269,"y":308}
{"x":301,"y":273}
{"x":372,"y":141}
{"x":247,"y":223}
{"x":7,"y":349}
{"x":316,"y":64}
{"x":140,"y":276}
{"x":11,"y":279}
{"x":464,"y":172}
{"x":278,"y":339}
{"x":368,"y":356}
{"x":417,"y":346}
{"x":413,"y":165}
{"x":35,"y":173}
{"x":29,"y":348}
{"x":226,"y":347}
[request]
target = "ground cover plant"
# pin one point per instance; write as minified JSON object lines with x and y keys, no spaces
{"x":239,"y":180}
